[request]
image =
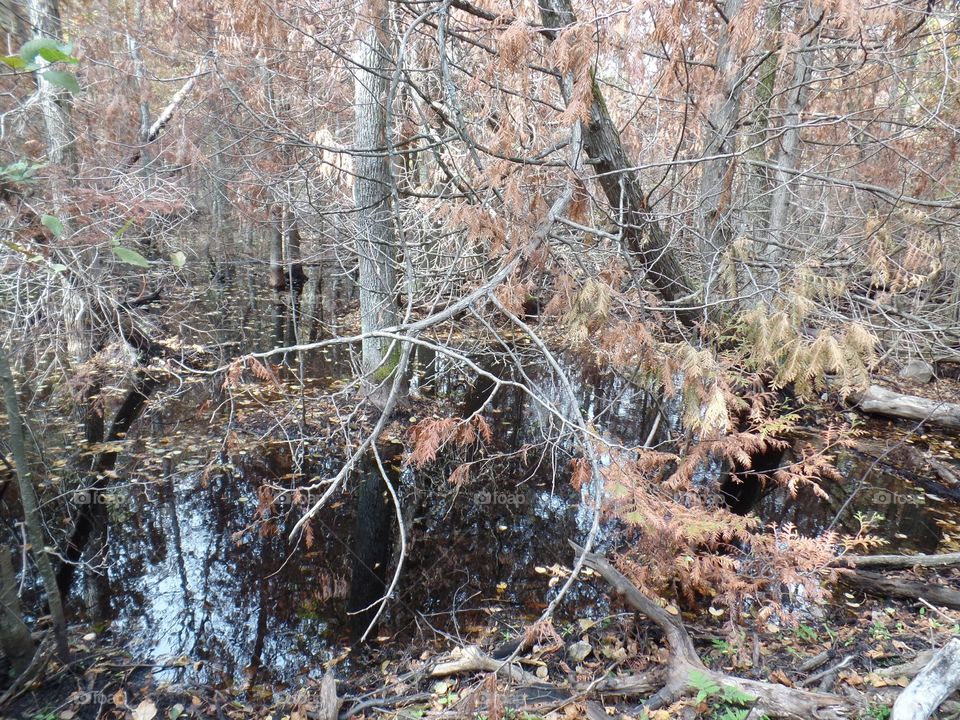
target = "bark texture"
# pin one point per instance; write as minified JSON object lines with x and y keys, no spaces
{"x":932,"y":686}
{"x":642,"y":233}
{"x":375,"y":235}
{"x":31,"y":507}
{"x":713,"y":222}
{"x":15,"y":639}
{"x":880,"y":401}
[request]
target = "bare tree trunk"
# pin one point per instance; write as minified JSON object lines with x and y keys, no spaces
{"x":642,"y":233}
{"x":713,"y":221}
{"x":786,"y":160}
{"x":54,"y":102}
{"x":31,"y":507}
{"x":139,"y":74}
{"x":278,"y":278}
{"x":296,"y":277}
{"x":376,"y":236}
{"x":754,"y":217}
{"x":15,"y":639}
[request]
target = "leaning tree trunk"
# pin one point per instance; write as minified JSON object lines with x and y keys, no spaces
{"x":31,"y":507}
{"x":642,"y":233}
{"x":375,"y":236}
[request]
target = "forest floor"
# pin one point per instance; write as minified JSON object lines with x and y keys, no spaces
{"x":852,"y":646}
{"x":849,"y":650}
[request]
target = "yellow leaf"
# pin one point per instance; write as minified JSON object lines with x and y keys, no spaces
{"x":145,"y":711}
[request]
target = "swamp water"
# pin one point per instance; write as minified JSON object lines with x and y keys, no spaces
{"x":199,"y":585}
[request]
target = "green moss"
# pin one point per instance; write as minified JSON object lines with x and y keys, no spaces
{"x":389,"y":364}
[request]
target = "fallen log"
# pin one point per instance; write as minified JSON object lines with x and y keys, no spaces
{"x":880,"y":401}
{"x":899,"y":562}
{"x":686,"y":673}
{"x":879,"y":585}
{"x":907,"y":669}
{"x":931,"y":686}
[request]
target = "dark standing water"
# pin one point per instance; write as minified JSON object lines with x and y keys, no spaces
{"x":198,"y":581}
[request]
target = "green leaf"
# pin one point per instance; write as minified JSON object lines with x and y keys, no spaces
{"x":14,"y":61}
{"x":32,"y":48}
{"x":66,"y":80}
{"x":178,"y":259}
{"x":119,"y":233}
{"x":58,"y":267}
{"x":53,"y":224}
{"x":131,"y":257}
{"x":56,"y":54}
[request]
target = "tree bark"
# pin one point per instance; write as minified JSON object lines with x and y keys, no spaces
{"x":296,"y":277}
{"x":880,"y":401}
{"x":54,"y":102}
{"x":902,"y":562}
{"x":278,"y":277}
{"x":755,"y":208}
{"x":786,"y":161}
{"x":372,"y":187}
{"x":642,"y":233}
{"x":713,"y":221}
{"x":15,"y":639}
{"x":931,"y":686}
{"x":31,"y":507}
{"x":884,"y":587}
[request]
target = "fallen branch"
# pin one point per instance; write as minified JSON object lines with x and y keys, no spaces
{"x":931,"y":686}
{"x":533,"y":695}
{"x":901,"y":562}
{"x":880,"y":401}
{"x":907,"y":669}
{"x":472,"y":659}
{"x":391,"y":702}
{"x":685,"y":667}
{"x":877,"y":584}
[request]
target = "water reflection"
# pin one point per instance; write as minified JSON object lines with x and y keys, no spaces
{"x":195,"y":573}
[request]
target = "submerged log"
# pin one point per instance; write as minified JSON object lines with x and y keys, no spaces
{"x":931,"y":686}
{"x":880,"y":401}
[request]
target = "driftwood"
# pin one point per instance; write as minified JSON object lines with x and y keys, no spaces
{"x":531,"y":694}
{"x":472,"y":659}
{"x":931,"y":686}
{"x":329,"y":704}
{"x":900,"y":562}
{"x":877,"y":584}
{"x":880,"y":401}
{"x":685,"y":667}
